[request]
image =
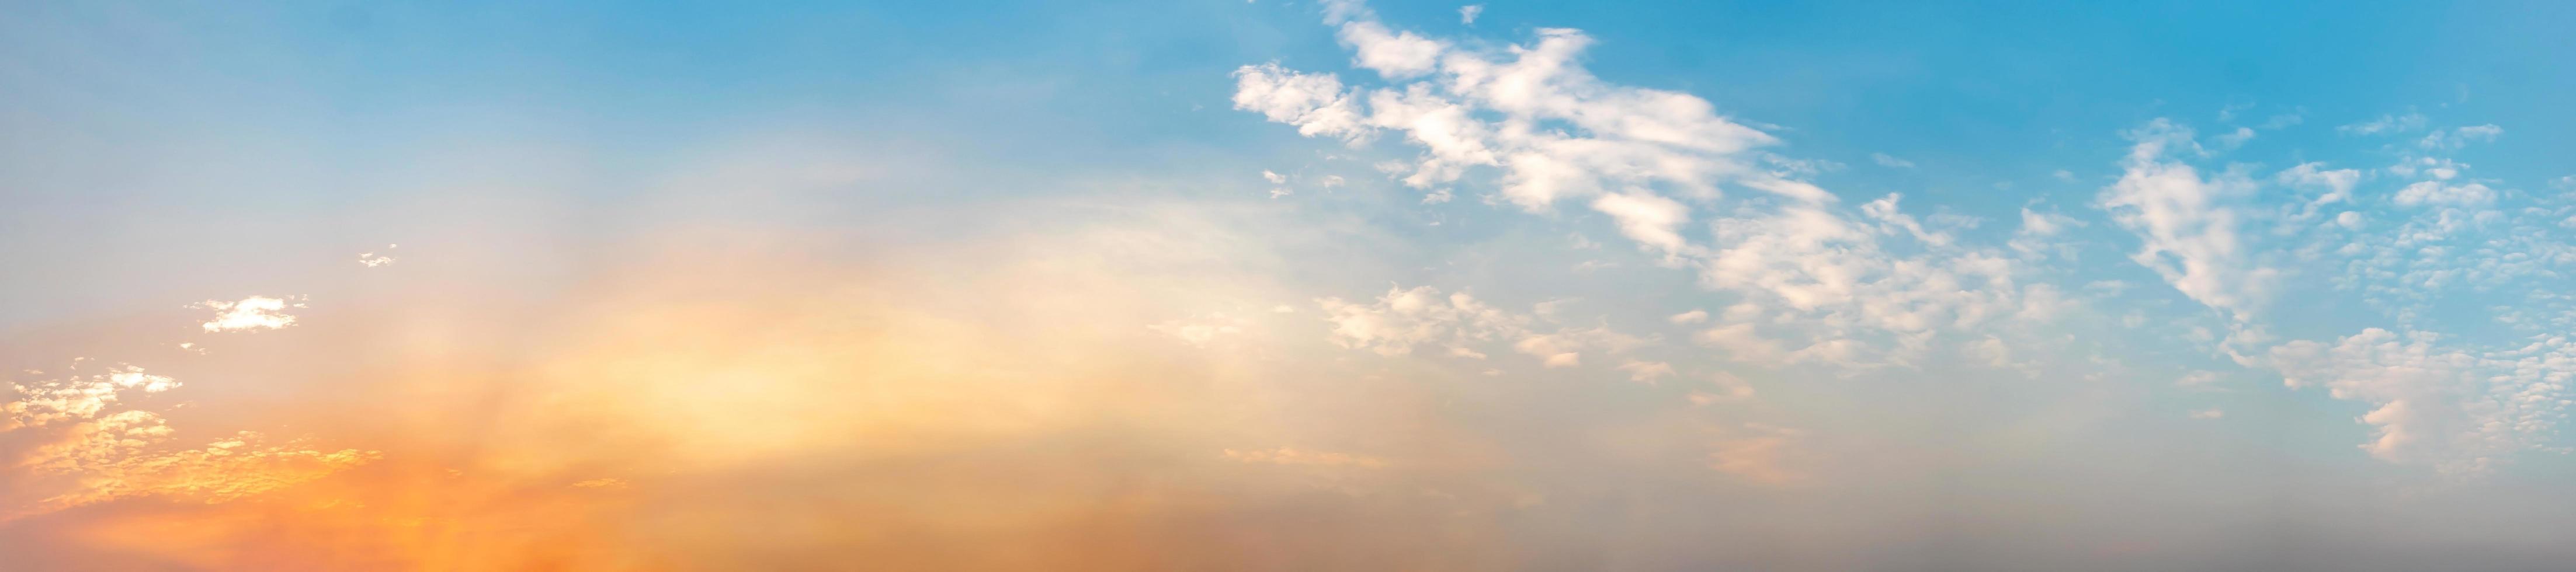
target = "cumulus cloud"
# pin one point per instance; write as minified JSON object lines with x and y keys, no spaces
{"x":1467,"y":14}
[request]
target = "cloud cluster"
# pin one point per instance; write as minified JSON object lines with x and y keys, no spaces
{"x":1460,"y":325}
{"x":1649,"y":160}
{"x":2458,"y":411}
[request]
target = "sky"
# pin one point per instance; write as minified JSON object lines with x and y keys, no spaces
{"x":1287,"y":285}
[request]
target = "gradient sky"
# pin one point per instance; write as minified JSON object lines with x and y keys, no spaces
{"x":1286,"y":285}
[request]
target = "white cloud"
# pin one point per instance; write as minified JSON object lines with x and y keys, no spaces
{"x":1315,"y":103}
{"x":1274,"y":178}
{"x":2460,"y":137}
{"x":2455,"y":410}
{"x":2337,"y":183}
{"x":2032,"y":240}
{"x":1392,"y":54}
{"x":1648,"y":219}
{"x":252,"y":313}
{"x":1886,"y":160}
{"x":372,"y":260}
{"x":1690,"y":317}
{"x":2436,"y":193}
{"x":1406,"y":318}
{"x":2186,"y":224}
{"x":76,"y":398}
{"x":1485,"y":109}
{"x":1467,"y":14}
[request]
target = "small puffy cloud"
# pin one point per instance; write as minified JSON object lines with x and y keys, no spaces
{"x":250,"y":314}
{"x":372,"y":259}
{"x":1467,"y":14}
{"x":1273,"y":177}
{"x":1886,"y":160}
{"x":1690,"y":317}
{"x":1392,"y":54}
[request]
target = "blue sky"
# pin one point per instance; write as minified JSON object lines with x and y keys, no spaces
{"x":1860,"y":285}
